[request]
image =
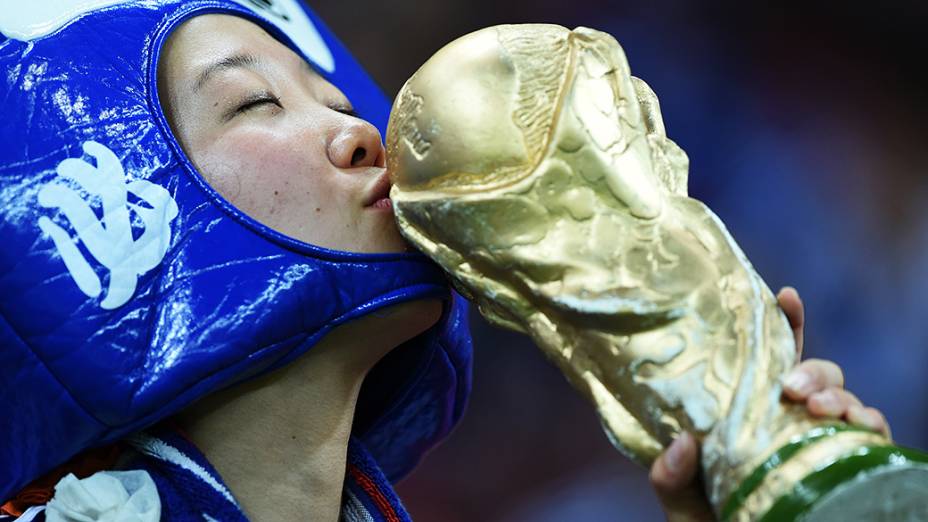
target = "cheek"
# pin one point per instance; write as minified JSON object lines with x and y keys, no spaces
{"x":269,"y":177}
{"x":284,"y":180}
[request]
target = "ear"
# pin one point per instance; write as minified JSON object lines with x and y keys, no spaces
{"x":669,"y":160}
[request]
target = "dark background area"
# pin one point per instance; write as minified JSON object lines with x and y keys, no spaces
{"x":806,"y":129}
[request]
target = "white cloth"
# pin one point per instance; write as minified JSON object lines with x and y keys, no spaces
{"x":106,"y":496}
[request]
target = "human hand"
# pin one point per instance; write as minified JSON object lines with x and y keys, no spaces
{"x":816,"y":382}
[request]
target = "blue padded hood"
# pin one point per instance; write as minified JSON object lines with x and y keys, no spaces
{"x":129,"y":288}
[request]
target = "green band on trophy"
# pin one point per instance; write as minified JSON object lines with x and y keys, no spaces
{"x":814,"y":487}
{"x":780,"y":456}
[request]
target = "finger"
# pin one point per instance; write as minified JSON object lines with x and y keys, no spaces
{"x":673,"y":476}
{"x":832,"y":402}
{"x":810,"y":376}
{"x":795,"y":312}
{"x":870,"y":418}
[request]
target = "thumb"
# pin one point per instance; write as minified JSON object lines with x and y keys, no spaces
{"x":674,"y":476}
{"x":792,"y":306}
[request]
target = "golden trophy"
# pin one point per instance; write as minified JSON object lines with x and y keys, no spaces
{"x":532,"y":166}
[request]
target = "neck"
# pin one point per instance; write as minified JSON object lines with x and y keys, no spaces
{"x":280,"y":442}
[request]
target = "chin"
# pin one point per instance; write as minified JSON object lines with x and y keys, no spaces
{"x":387,"y":239}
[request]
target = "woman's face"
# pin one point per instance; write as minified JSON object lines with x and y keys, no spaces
{"x":274,"y":138}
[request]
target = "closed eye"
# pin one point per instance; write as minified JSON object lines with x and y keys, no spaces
{"x":345,"y":109}
{"x":254,"y":101}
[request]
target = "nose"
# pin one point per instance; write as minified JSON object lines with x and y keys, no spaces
{"x":356,"y":144}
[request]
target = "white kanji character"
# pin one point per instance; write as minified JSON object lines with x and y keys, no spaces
{"x":109,"y":240}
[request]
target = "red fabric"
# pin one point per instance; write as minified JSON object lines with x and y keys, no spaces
{"x":372,"y":491}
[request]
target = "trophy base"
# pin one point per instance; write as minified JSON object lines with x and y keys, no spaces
{"x":835,"y":474}
{"x":893,"y":494}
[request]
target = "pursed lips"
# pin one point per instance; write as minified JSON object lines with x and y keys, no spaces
{"x":379,"y":195}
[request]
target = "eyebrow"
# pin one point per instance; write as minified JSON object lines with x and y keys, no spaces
{"x":229,"y":62}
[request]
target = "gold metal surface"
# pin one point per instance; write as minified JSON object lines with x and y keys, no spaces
{"x":535,"y":169}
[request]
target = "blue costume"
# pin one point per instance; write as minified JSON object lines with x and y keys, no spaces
{"x":130,"y":288}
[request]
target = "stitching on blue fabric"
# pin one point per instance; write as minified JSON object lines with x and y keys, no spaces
{"x":399,"y":296}
{"x":48,"y":369}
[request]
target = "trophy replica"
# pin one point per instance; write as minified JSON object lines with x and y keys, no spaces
{"x":532,"y":166}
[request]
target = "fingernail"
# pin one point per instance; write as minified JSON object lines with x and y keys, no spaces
{"x":674,"y":457}
{"x":797,"y":381}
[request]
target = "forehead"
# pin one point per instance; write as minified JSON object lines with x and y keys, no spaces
{"x":204,"y":39}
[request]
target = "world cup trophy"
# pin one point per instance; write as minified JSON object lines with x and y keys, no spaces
{"x":532,"y":166}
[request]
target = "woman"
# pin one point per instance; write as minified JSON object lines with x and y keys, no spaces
{"x":277,"y":142}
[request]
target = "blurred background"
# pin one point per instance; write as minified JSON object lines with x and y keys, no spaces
{"x":806,"y":129}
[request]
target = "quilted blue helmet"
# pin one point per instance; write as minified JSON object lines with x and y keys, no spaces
{"x":130,"y":288}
